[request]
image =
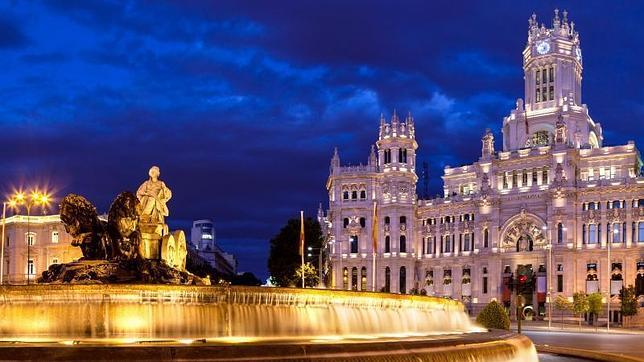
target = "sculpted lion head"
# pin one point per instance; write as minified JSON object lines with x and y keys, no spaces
{"x":78,"y":215}
{"x":123,"y":224}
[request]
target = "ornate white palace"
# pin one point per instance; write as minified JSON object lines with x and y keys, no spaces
{"x":554,"y":202}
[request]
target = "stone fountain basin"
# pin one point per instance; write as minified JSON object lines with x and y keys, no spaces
{"x":241,"y":322}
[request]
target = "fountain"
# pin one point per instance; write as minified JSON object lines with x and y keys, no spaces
{"x":131,"y":288}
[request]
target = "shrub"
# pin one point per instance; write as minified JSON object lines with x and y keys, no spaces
{"x":494,"y":316}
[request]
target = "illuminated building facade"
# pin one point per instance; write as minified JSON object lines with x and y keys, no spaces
{"x":31,"y":247}
{"x":548,"y":206}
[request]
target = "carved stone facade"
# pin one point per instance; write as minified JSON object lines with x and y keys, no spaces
{"x":554,"y":206}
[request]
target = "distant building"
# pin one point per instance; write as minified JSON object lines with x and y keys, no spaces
{"x":204,"y":239}
{"x":32,"y":245}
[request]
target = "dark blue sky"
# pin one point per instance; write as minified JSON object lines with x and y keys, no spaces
{"x":241,"y":102}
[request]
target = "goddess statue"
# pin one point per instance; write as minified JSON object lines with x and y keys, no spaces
{"x":154,"y":195}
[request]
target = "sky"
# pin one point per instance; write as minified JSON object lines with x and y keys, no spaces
{"x":240,"y":103}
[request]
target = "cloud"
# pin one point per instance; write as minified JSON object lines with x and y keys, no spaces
{"x":242,"y":103}
{"x":11,"y":35}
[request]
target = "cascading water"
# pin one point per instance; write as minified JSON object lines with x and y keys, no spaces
{"x":108,"y":313}
{"x":161,"y":312}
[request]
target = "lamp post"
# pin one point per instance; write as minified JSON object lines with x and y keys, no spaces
{"x":35,"y":198}
{"x":4,"y":217}
{"x":549,"y":276}
{"x":610,"y":267}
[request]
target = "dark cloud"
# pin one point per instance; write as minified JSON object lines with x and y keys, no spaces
{"x":241,"y":103}
{"x":11,"y":35}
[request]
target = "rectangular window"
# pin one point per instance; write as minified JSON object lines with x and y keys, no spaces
{"x":538,"y":78}
{"x":592,"y":234}
{"x":616,"y":233}
{"x":640,"y":232}
{"x":54,"y":237}
{"x":552,"y":92}
{"x":31,"y":239}
{"x":559,"y":283}
{"x":484,"y":285}
{"x":552,"y":74}
{"x":31,"y":268}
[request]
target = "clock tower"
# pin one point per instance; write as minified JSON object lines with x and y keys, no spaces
{"x":552,"y":66}
{"x":552,"y":63}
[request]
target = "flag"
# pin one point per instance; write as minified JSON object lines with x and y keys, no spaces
{"x":302,"y":233}
{"x":374,"y":228}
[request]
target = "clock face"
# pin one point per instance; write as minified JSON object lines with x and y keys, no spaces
{"x":578,"y":53}
{"x":543,"y":47}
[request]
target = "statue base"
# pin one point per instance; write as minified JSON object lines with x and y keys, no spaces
{"x":139,"y":271}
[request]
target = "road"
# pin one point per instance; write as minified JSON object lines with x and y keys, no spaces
{"x":628,"y":344}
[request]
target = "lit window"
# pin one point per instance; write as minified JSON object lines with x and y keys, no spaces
{"x":31,"y":239}
{"x":31,"y":268}
{"x":54,"y":236}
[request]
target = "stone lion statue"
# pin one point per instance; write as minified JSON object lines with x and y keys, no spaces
{"x":87,"y":231}
{"x":123,"y":225}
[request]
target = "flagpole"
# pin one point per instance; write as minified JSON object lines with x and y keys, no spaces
{"x":302,"y":244}
{"x":374,"y":246}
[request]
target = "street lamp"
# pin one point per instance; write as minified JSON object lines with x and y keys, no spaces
{"x":610,"y":270}
{"x":19,"y":199}
{"x":548,"y":275}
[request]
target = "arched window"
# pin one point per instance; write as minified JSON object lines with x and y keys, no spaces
{"x":387,"y":280}
{"x":403,"y":280}
{"x":387,"y":156}
{"x":387,"y":244}
{"x":403,"y":244}
{"x":345,"y":222}
{"x":345,"y":195}
{"x":363,"y":222}
{"x":354,"y":278}
{"x":387,"y":220}
{"x":363,"y":279}
{"x":363,"y":194}
{"x":354,"y":195}
{"x":559,"y":233}
{"x":345,"y":279}
{"x":354,"y":243}
{"x":486,"y":238}
{"x":403,"y":220}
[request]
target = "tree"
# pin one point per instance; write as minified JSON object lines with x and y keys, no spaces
{"x":311,"y":278}
{"x":628,"y":299}
{"x":594,"y":306}
{"x":284,"y":257}
{"x":579,"y":304}
{"x":494,"y":316}
{"x":562,"y":304}
{"x":246,"y":278}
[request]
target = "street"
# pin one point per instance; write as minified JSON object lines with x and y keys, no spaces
{"x":628,"y":344}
